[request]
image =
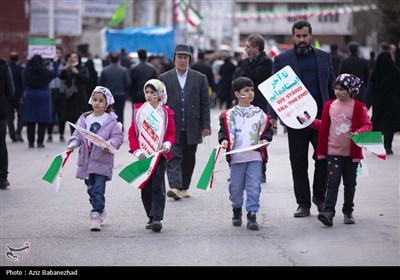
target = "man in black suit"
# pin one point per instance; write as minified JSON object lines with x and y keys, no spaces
{"x":188,"y":97}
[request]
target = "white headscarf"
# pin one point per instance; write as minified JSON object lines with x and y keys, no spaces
{"x":160,"y":88}
{"x":106,"y":92}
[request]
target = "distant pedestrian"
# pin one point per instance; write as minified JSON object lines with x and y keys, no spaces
{"x":242,"y":126}
{"x":341,"y":117}
{"x":356,"y":66}
{"x":16,"y":103}
{"x":6,"y":91}
{"x":153,"y":193}
{"x":95,"y":164}
{"x":37,"y":99}
{"x":116,"y":78}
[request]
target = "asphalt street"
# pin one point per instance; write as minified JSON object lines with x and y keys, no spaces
{"x":197,"y":231}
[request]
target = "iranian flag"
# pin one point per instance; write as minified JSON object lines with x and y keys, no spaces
{"x":193,"y":16}
{"x":207,"y":177}
{"x":139,"y":173}
{"x":371,"y":141}
{"x":53,"y":174}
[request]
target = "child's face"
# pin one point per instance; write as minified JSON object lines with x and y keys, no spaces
{"x":99,"y":102}
{"x":151,"y":96}
{"x":245,"y":96}
{"x":342,"y":94}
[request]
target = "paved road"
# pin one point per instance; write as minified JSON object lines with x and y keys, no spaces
{"x":197,"y":231}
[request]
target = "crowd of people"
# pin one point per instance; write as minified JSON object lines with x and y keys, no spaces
{"x":45,"y":94}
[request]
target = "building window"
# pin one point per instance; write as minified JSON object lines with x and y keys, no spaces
{"x":297,"y":11}
{"x":263,"y":10}
{"x":328,"y":14}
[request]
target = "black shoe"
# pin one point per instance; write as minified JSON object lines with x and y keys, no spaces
{"x":252,"y":222}
{"x":301,"y":212}
{"x":263,"y":178}
{"x":389,"y":152}
{"x":4,"y":183}
{"x":31,"y":145}
{"x":40,"y":146}
{"x":14,"y":140}
{"x":349,"y":219}
{"x":326,"y":218}
{"x":19,"y":138}
{"x":62,"y":138}
{"x":320,"y":204}
{"x":237,"y":217}
{"x":50,"y":139}
{"x":156,"y":226}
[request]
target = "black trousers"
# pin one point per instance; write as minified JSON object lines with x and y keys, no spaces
{"x":180,"y":167}
{"x":341,"y":167}
{"x":153,"y":193}
{"x":3,"y":150}
{"x":15,"y":106}
{"x":299,"y":141}
{"x":31,"y":127}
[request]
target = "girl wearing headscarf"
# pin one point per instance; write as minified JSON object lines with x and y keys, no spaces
{"x":341,"y":117}
{"x":152,"y":130}
{"x":95,"y":163}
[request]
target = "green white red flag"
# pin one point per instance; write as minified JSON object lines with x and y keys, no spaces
{"x":184,"y":10}
{"x":54,"y":172}
{"x":139,"y":172}
{"x":371,"y":141}
{"x":207,"y":177}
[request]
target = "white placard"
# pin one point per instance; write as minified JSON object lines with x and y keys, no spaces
{"x":289,"y":98}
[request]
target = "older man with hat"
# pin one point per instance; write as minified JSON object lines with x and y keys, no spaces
{"x":188,"y":98}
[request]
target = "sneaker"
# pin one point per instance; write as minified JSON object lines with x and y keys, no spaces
{"x":251,"y":221}
{"x":185,"y":194}
{"x":94,"y":221}
{"x":156,"y":226}
{"x":349,"y":219}
{"x":4,"y":183}
{"x":174,"y":193}
{"x":237,"y":216}
{"x":103,"y":216}
{"x":326,"y":218}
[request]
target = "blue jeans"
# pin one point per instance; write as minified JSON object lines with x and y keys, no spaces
{"x":96,"y":188}
{"x":246,"y":176}
{"x":339,"y":166}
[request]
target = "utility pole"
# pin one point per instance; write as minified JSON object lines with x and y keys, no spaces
{"x":129,"y":10}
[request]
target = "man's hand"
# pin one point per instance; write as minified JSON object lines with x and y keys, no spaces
{"x":274,"y":125}
{"x":206,"y":132}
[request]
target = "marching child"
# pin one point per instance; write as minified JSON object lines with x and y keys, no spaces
{"x":341,"y":117}
{"x":156,"y":117}
{"x":242,"y":126}
{"x":95,"y":164}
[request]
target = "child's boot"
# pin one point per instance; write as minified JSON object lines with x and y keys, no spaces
{"x":237,"y":217}
{"x":251,"y":221}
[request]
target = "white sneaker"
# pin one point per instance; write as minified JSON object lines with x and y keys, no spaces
{"x":94,"y":221}
{"x":103,"y":216}
{"x":174,"y":193}
{"x":185,"y":194}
